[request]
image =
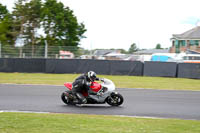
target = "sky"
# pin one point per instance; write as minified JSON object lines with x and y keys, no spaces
{"x":120,"y":23}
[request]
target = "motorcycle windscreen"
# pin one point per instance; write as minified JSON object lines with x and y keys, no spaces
{"x":95,"y":86}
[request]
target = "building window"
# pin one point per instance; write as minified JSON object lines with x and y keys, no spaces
{"x":182,"y":42}
{"x":179,"y":43}
{"x":194,"y":42}
{"x":176,"y":43}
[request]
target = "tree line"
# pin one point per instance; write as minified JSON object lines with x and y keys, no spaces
{"x":32,"y":22}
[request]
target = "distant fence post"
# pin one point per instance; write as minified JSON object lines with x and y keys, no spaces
{"x":46,"y":49}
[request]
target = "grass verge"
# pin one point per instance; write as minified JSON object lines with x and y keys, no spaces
{"x":120,"y":81}
{"x":70,"y":123}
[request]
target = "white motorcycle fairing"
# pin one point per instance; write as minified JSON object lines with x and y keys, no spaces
{"x":107,"y":87}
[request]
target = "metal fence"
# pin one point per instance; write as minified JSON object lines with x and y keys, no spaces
{"x":45,"y":51}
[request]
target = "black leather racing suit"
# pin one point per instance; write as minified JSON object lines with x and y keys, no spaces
{"x":80,"y":84}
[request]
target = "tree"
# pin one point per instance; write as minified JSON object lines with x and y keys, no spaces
{"x":6,"y":36}
{"x":58,"y":22}
{"x":133,"y":48}
{"x":3,"y":26}
{"x":158,"y":46}
{"x":60,"y":25}
{"x":3,"y":12}
{"x":33,"y":21}
{"x":20,"y":19}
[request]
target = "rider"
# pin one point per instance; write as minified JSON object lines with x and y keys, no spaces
{"x":83,"y":82}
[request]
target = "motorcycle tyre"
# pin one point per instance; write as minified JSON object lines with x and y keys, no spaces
{"x":63,"y":97}
{"x":108,"y":100}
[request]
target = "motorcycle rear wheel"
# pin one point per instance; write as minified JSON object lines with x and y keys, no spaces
{"x":115,"y":100}
{"x":65,"y":98}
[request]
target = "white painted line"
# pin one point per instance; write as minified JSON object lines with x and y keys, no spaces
{"x":146,"y":117}
{"x":128,"y":116}
{"x":17,"y":111}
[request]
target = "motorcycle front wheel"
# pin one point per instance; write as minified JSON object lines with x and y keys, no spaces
{"x":115,"y":99}
{"x":64,"y":97}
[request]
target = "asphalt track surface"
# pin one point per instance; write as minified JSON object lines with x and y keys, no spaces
{"x":138,"y":102}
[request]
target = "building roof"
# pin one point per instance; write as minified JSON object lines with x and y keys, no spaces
{"x":152,"y":51}
{"x":101,"y":52}
{"x":193,"y":34}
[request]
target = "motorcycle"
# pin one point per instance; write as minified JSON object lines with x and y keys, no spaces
{"x":105,"y":93}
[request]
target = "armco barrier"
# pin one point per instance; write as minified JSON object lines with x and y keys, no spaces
{"x":22,"y":65}
{"x":108,"y":67}
{"x":134,"y":68}
{"x":99,"y":66}
{"x":160,"y":69}
{"x":7,"y":65}
{"x":30,"y":65}
{"x":61,"y":66}
{"x":189,"y":70}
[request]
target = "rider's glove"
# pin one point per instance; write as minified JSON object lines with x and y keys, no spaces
{"x":88,"y":84}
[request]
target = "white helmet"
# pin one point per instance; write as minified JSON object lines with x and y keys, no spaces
{"x":91,"y":75}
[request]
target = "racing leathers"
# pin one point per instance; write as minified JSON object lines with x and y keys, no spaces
{"x":82,"y":83}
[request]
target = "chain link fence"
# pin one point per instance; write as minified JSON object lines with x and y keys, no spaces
{"x":45,"y":51}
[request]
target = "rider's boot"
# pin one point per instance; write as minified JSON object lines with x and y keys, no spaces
{"x":80,"y":99}
{"x":75,"y":101}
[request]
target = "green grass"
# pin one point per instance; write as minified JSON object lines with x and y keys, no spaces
{"x":120,"y":81}
{"x":70,"y":123}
